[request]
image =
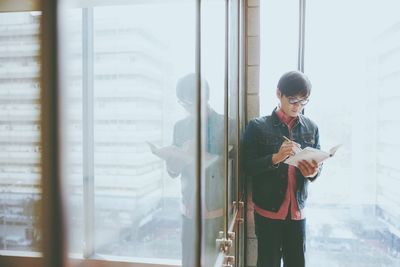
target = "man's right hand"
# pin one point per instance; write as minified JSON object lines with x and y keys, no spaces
{"x":286,"y":150}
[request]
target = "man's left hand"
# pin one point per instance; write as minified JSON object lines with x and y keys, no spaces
{"x":308,"y":168}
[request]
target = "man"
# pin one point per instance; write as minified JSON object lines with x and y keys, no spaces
{"x":212,"y":164}
{"x":280,"y":190}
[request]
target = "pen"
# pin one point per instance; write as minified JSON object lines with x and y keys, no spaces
{"x":287,"y":139}
{"x":290,"y":141}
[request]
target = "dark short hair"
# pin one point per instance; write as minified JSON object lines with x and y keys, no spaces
{"x":186,"y":88}
{"x":294,"y":83}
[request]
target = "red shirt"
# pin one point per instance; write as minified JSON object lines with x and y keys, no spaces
{"x":290,"y":196}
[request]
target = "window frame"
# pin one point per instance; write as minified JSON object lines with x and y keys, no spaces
{"x":19,"y":5}
{"x":54,"y":241}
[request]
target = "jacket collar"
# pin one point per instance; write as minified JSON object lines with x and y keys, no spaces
{"x":276,"y":121}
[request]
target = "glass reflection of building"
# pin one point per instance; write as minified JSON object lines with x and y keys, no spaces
{"x":388,"y":170}
{"x":19,"y":130}
{"x":131,"y":95}
{"x":131,"y":88}
{"x":132,"y":92}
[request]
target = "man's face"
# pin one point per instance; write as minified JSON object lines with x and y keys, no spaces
{"x":292,"y":105}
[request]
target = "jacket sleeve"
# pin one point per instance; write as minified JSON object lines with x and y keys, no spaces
{"x":254,"y":163}
{"x":317,"y":146}
{"x":174,"y":172}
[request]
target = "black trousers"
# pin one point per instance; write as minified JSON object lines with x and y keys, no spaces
{"x":279,"y":239}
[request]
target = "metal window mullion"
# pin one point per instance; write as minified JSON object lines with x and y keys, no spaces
{"x":245,"y":57}
{"x":226,"y":124}
{"x":52,"y":217}
{"x":198,"y":136}
{"x":302,"y":11}
{"x":237,"y":168}
{"x":88,"y":130}
{"x":244,"y":16}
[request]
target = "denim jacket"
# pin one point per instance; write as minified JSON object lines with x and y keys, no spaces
{"x":184,"y":130}
{"x":263,"y":137}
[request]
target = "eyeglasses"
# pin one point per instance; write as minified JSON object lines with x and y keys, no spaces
{"x":184,"y":103}
{"x":294,"y":101}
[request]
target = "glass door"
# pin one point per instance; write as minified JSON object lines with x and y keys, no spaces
{"x":233,"y":198}
{"x":220,"y":69}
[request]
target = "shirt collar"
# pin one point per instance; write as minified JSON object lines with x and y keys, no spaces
{"x":285,"y":118}
{"x":277,"y":119}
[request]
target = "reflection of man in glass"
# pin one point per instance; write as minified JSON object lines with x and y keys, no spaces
{"x":212,"y":165}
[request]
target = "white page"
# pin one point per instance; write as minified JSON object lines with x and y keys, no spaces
{"x":310,"y":154}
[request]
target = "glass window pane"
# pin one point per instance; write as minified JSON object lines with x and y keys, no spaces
{"x":213,"y":71}
{"x":74,"y":157}
{"x":133,"y":132}
{"x":279,"y":27}
{"x":20,"y":191}
{"x":354,"y":210}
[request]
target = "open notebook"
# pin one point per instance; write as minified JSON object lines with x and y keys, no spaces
{"x":309,"y":154}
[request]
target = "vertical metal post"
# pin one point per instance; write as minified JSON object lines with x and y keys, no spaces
{"x":198,"y":136}
{"x":88,"y":130}
{"x":53,"y":242}
{"x":245,"y":56}
{"x":244,"y":16}
{"x":226,"y":118}
{"x":238,"y":103}
{"x":238,"y":251}
{"x":302,"y":13}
